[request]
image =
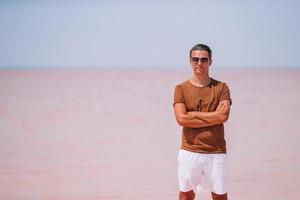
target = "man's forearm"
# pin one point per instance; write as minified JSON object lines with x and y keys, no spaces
{"x":193,"y":122}
{"x":201,"y":119}
{"x":215,"y":117}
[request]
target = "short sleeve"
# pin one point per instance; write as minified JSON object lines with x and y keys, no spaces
{"x":225,"y":93}
{"x":178,"y":95}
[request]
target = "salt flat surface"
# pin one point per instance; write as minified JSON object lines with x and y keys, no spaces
{"x":111,"y":134}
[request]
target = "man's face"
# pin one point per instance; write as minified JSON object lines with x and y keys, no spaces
{"x":200,"y":62}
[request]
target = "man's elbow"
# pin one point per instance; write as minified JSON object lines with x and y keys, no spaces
{"x":224,"y":118}
{"x":181,"y":121}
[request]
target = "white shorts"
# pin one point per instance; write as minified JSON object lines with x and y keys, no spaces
{"x":191,"y":167}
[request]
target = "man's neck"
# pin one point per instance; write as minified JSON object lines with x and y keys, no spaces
{"x":201,"y":81}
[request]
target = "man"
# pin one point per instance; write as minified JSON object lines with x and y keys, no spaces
{"x":202,"y":105}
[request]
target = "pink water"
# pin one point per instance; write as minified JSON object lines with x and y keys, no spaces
{"x":111,"y":134}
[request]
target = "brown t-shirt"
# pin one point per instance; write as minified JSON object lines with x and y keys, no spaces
{"x":205,"y":99}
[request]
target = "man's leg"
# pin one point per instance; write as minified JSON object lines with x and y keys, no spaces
{"x":190,"y":168}
{"x":219,"y":196}
{"x":216,"y":173}
{"x":190,"y":195}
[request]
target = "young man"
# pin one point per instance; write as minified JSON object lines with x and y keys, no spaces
{"x":202,"y":105}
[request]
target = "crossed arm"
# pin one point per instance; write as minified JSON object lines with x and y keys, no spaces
{"x":198,"y":119}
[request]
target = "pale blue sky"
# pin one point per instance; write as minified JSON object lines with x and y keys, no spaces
{"x":148,"y":34}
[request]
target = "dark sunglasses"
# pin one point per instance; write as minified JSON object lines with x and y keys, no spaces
{"x":202,"y":60}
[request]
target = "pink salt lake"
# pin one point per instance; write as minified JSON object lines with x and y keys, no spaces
{"x":111,"y":134}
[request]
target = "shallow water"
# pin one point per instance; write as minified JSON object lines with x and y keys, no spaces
{"x":111,"y":134}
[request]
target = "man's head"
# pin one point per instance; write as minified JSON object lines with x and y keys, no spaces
{"x":201,"y":47}
{"x":200,"y":59}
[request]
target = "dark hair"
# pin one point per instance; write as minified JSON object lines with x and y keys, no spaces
{"x":201,"y":47}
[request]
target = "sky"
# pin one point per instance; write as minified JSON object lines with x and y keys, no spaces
{"x":143,"y":34}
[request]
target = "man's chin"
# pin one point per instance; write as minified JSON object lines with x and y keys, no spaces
{"x":199,"y":72}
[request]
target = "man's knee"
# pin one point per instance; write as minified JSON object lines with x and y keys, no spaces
{"x":190,"y":195}
{"x":219,"y":196}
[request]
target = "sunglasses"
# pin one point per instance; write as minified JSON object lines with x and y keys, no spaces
{"x":202,"y":60}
